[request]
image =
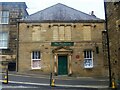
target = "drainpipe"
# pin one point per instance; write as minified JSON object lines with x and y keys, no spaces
{"x":17,"y":46}
{"x":108,"y":48}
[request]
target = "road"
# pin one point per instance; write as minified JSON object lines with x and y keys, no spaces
{"x":42,"y":82}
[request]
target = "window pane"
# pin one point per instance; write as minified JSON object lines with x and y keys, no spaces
{"x":5,"y":43}
{"x":3,"y":39}
{"x":33,"y":55}
{"x":36,"y":64}
{"x":5,"y":14}
{"x":87,"y":52}
{"x":4,"y":17}
{"x":90,"y":53}
{"x":84,"y":54}
{"x":88,"y":62}
{"x":36,"y":55}
{"x":1,"y":43}
{"x":5,"y":20}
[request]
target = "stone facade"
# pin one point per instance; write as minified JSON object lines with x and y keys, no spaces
{"x":113,"y":19}
{"x":16,"y":11}
{"x":63,"y":41}
{"x":30,"y":39}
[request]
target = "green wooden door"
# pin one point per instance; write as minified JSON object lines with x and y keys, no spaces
{"x":62,"y":65}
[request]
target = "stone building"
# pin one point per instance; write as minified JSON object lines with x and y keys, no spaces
{"x":10,"y":12}
{"x":113,"y":24}
{"x":61,"y":40}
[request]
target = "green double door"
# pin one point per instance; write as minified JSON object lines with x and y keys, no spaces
{"x":62,"y":65}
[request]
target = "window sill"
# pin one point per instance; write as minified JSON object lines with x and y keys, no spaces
{"x":35,"y":69}
{"x":88,"y":67}
{"x":4,"y":23}
{"x":3,"y":48}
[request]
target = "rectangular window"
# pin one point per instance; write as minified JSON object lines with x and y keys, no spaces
{"x":88,"y":59}
{"x":4,"y":17}
{"x":36,"y":60}
{"x":3,"y":40}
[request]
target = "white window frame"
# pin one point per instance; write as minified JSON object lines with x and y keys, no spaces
{"x":38,"y":58}
{"x":2,"y":17}
{"x":5,"y":46}
{"x":88,"y":59}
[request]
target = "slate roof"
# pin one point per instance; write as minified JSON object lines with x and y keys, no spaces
{"x":60,"y":12}
{"x":11,"y":5}
{"x":14,"y":4}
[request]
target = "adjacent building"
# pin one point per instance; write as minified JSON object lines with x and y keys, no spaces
{"x":113,"y":25}
{"x":10,"y":12}
{"x":61,"y":40}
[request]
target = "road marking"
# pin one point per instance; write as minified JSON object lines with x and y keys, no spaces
{"x":84,"y":86}
{"x":43,"y":84}
{"x":18,"y":87}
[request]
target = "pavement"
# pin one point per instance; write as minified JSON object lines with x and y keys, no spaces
{"x":102,"y":86}
{"x":61,"y":77}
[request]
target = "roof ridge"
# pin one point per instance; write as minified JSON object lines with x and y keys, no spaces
{"x":65,"y":6}
{"x":44,"y":9}
{"x":76,"y":10}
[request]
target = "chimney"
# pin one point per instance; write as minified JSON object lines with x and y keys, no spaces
{"x":92,"y":13}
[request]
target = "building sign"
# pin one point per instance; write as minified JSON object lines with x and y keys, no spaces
{"x":62,"y":43}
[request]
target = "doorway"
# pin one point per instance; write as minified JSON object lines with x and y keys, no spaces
{"x":62,"y":65}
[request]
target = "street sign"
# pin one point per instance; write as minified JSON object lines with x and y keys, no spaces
{"x":62,"y":43}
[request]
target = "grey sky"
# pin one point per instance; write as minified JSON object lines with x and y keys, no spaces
{"x":82,"y":5}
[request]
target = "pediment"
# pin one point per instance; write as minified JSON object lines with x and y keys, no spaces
{"x":62,"y":49}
